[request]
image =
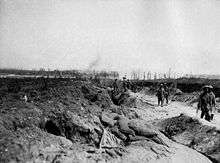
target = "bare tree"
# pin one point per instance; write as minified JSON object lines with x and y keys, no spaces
{"x":155,"y":76}
{"x":169,"y":73}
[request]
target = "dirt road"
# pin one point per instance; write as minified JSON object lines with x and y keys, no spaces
{"x":171,"y":110}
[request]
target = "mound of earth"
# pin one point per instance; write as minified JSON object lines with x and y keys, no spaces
{"x":75,"y":121}
{"x":56,"y":111}
{"x":148,"y":90}
{"x":188,"y":98}
{"x":191,"y":132}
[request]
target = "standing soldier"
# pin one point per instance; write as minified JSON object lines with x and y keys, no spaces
{"x":160,"y":95}
{"x":128,"y":84}
{"x":124,"y":84}
{"x":207,"y":103}
{"x":213,"y":108}
{"x":166,"y":92}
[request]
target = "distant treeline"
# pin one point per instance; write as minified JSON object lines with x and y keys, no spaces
{"x":187,"y":85}
{"x":59,"y":73}
{"x":41,"y":72}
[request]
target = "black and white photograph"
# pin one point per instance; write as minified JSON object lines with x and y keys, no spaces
{"x":109,"y":81}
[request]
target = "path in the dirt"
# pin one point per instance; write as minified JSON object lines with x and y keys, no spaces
{"x":154,"y":112}
{"x":152,"y":152}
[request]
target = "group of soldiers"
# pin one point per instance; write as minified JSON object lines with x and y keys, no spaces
{"x":206,"y":100}
{"x":163,"y":94}
{"x":126,"y":84}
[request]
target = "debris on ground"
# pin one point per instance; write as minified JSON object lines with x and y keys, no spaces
{"x":188,"y":98}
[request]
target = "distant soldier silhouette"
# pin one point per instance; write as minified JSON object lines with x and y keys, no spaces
{"x":207,"y":103}
{"x":128,"y":84}
{"x":213,"y":103}
{"x":124,"y":84}
{"x":160,"y":95}
{"x":166,"y":93}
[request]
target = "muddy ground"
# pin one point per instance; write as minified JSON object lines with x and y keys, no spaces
{"x":67,"y":120}
{"x":179,"y":121}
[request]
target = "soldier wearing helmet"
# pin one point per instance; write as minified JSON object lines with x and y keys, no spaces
{"x":207,"y":103}
{"x":160,"y":95}
{"x":166,"y":93}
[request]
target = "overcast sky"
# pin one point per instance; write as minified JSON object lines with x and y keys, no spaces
{"x":123,"y":35}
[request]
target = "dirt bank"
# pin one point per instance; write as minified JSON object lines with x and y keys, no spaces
{"x":180,"y":123}
{"x":77,"y":121}
{"x":192,"y":133}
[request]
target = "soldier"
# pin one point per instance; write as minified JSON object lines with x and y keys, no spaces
{"x":213,"y":102}
{"x":166,"y":93}
{"x":160,"y":95}
{"x":207,"y":103}
{"x":128,"y":84}
{"x":124,"y":84}
{"x":123,"y":126}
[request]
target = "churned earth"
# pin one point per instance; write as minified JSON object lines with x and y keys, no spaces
{"x":78,"y":121}
{"x":174,"y":108}
{"x":180,"y":122}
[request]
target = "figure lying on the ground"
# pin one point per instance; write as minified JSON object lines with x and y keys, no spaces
{"x":132,"y":130}
{"x":122,"y":123}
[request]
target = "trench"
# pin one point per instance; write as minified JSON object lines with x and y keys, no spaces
{"x":193,"y":134}
{"x":52,"y":128}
